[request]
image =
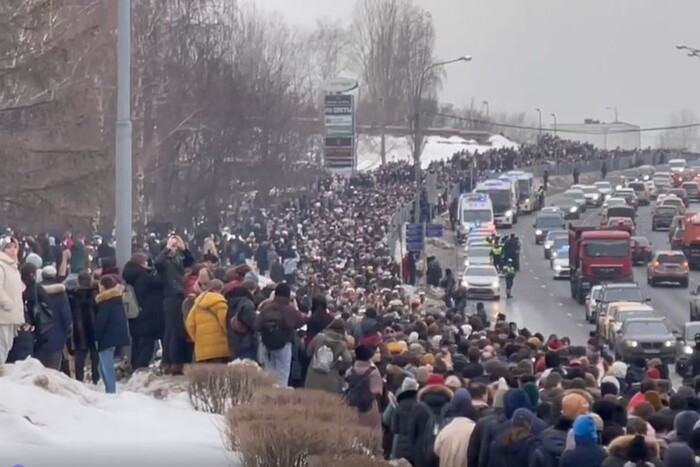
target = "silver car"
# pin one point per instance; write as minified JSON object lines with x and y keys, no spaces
{"x":482,"y":282}
{"x":478,"y":256}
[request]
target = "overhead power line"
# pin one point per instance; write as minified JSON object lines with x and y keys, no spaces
{"x":611,"y":131}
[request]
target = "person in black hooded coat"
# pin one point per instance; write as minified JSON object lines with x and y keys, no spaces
{"x":434,"y":398}
{"x":84,"y":310}
{"x":401,"y":419}
{"x":148,"y":326}
{"x":242,"y":345}
{"x":515,"y":446}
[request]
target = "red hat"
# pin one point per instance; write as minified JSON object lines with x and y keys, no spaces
{"x":653,"y":373}
{"x":435,"y":379}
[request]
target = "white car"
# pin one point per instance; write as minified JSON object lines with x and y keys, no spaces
{"x":552,"y":210}
{"x":592,"y":301}
{"x":482,"y":282}
{"x":610,"y":202}
{"x":478,"y":256}
{"x":474,"y":242}
{"x":560,"y":266}
{"x":593,"y":197}
{"x":653,"y":191}
{"x":604,"y":188}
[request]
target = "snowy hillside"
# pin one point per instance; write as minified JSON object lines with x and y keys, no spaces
{"x":436,"y":148}
{"x":48,"y":419}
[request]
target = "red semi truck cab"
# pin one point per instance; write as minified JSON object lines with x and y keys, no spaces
{"x":598,"y":255}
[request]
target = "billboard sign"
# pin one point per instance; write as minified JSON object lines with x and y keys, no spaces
{"x":339,"y":129}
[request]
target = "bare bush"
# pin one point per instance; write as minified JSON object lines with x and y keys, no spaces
{"x":287,"y":436}
{"x":215,"y":388}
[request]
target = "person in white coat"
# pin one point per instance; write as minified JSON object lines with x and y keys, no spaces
{"x":11,"y":302}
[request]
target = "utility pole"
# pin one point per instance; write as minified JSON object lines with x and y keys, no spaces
{"x":418,"y":133}
{"x":382,"y":149}
{"x":123,"y":191}
{"x":539,"y":112}
{"x":554,"y":116}
{"x":488,"y":110}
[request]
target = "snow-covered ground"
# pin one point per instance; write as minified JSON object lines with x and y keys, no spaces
{"x":436,"y":148}
{"x":50,"y":420}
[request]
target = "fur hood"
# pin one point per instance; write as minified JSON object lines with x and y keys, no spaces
{"x":115,"y":292}
{"x":619,"y":445}
{"x":53,"y":289}
{"x":435,"y":389}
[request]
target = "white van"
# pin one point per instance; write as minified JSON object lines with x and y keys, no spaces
{"x":678,"y":165}
{"x":473,"y":210}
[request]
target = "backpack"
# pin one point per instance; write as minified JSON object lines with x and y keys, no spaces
{"x":274,"y":333}
{"x":433,"y":425}
{"x":323,"y":360}
{"x":358,"y":393}
{"x":131,"y":304}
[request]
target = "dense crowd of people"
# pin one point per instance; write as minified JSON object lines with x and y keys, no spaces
{"x":549,"y":149}
{"x":309,"y":288}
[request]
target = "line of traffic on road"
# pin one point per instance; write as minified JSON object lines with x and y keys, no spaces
{"x":661,"y":277}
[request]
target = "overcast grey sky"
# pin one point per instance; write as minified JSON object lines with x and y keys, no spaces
{"x":572,"y":57}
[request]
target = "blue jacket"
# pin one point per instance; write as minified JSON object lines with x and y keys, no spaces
{"x":62,"y":321}
{"x":111,"y":327}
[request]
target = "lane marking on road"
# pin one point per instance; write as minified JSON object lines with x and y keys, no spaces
{"x":569,"y":313}
{"x":551,"y":295}
{"x":543,"y":286}
{"x":537,"y":278}
{"x":580,"y":325}
{"x":531,"y":270}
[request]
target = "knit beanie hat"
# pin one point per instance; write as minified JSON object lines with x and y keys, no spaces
{"x":584,"y":427}
{"x":435,"y":379}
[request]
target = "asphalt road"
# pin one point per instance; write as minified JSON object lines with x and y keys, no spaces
{"x":543,"y":304}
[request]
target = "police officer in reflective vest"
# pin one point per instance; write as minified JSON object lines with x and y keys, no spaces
{"x":497,"y":254}
{"x":509,"y":273}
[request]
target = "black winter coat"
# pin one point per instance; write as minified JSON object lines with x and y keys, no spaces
{"x":401,"y":424}
{"x":514,"y":454}
{"x":149,"y":293}
{"x":171,"y":270}
{"x":436,"y":398}
{"x":84,"y":310}
{"x":552,"y":445}
{"x":240,"y":303}
{"x":111,"y":328}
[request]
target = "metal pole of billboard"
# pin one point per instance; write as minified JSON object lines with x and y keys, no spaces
{"x":123,"y":191}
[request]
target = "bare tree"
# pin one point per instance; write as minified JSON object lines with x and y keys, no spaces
{"x":384,"y":48}
{"x":685,"y":137}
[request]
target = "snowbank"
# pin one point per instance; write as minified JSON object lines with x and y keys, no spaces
{"x":48,"y":419}
{"x":436,"y":148}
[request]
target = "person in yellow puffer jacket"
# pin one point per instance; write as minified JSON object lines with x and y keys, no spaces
{"x":206,"y":325}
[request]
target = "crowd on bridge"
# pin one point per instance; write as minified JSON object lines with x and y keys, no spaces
{"x":310,"y":289}
{"x":549,"y":150}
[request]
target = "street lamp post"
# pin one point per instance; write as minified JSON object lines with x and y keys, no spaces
{"x":123,"y":191}
{"x":486,"y":104}
{"x":554,"y":116}
{"x":614,"y":109}
{"x":691,"y":51}
{"x":539,"y":112}
{"x":418,"y":140}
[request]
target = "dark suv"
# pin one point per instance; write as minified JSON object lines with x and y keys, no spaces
{"x":662,"y":217}
{"x":646,"y":338}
